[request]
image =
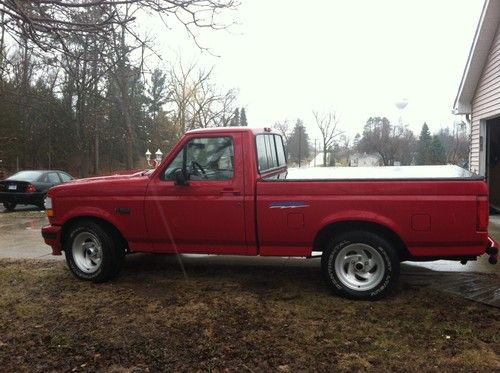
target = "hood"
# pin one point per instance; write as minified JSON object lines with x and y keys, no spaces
{"x":113,"y":185}
{"x":110,"y":177}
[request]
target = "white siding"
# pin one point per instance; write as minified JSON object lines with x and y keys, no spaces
{"x":486,"y":102}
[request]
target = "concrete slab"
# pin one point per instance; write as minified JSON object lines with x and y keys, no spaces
{"x":20,"y":235}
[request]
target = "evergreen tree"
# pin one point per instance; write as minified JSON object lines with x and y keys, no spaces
{"x":298,"y":144}
{"x":243,"y":118}
{"x":157,"y":92}
{"x":156,"y":99}
{"x":424,"y":146}
{"x":235,"y":120}
{"x":437,"y":154}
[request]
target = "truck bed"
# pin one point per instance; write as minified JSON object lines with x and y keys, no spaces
{"x":432,"y":209}
{"x":379,"y":173}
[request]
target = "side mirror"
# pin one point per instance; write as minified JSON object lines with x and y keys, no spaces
{"x":180,"y":177}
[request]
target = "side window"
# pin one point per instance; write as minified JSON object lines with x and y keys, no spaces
{"x":270,"y":152}
{"x":281,"y":150}
{"x":53,"y":178}
{"x":261,"y":153}
{"x":206,"y":158}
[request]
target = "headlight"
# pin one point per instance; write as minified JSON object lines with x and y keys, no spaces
{"x":48,"y":207}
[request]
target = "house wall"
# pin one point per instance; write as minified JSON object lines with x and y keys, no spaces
{"x":485,"y":104}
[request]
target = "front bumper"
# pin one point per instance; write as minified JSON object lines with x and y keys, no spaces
{"x":52,"y":236}
{"x":492,"y":250}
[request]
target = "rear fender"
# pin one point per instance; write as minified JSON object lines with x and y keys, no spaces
{"x":359,"y":216}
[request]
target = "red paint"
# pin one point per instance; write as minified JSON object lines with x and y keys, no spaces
{"x":433,"y":218}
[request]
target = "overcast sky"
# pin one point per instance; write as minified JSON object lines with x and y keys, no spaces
{"x":357,"y":57}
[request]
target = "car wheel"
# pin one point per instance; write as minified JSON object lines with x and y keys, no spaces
{"x":360,"y":265}
{"x":9,"y":206}
{"x":91,"y":252}
{"x":41,"y":203}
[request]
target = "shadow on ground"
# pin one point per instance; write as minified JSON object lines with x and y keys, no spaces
{"x":265,"y":273}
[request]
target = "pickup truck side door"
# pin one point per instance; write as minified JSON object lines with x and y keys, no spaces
{"x":206,"y":215}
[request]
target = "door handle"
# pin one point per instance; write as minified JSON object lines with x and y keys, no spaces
{"x":230,"y":192}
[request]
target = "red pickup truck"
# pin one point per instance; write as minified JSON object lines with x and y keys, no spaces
{"x":228,"y":191}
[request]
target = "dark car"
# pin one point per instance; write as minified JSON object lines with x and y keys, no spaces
{"x":29,"y":187}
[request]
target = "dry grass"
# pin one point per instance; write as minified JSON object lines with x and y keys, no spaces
{"x":236,"y":318}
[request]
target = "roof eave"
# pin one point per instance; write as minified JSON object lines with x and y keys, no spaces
{"x":478,"y":54}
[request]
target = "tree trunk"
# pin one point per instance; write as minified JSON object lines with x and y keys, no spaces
{"x":124,"y":105}
{"x":324,"y":154}
{"x":24,"y":102}
{"x":2,"y":39}
{"x":95,"y":94}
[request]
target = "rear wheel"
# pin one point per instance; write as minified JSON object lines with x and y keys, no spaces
{"x":360,"y":265}
{"x":92,"y":253}
{"x":9,"y":206}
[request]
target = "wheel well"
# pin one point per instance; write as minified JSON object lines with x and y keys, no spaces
{"x":106,"y":225}
{"x":325,"y":234}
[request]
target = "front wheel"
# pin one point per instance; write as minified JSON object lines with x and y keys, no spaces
{"x":360,"y":265}
{"x":91,"y":252}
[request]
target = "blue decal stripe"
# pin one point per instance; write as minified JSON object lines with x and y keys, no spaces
{"x":288,"y":205}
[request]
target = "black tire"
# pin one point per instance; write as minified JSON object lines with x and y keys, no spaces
{"x":360,"y":265}
{"x":87,"y":235}
{"x":9,"y":206}
{"x":41,"y":204}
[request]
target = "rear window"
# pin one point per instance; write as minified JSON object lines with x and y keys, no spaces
{"x":65,"y":177}
{"x":270,"y":152}
{"x":26,"y":176}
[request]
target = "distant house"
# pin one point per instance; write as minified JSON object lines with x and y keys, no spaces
{"x":478,"y":98}
{"x":364,"y":160}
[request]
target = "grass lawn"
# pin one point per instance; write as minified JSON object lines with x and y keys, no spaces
{"x":235,"y":318}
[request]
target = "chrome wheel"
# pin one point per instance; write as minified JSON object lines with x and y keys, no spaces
{"x":87,"y":252}
{"x":359,"y":267}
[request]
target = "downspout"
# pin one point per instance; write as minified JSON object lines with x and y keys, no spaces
{"x":467,"y":119}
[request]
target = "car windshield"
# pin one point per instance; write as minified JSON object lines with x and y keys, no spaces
{"x":26,"y":176}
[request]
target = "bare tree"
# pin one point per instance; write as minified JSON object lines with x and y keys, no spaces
{"x":48,"y":23}
{"x":391,"y":143}
{"x":456,"y":143}
{"x":212,"y":108}
{"x":328,"y":125}
{"x":195,"y":101}
{"x":283,"y":127}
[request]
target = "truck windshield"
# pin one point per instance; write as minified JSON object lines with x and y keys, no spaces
{"x":207,"y":158}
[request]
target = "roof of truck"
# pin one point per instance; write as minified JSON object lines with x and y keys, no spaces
{"x":231,"y":129}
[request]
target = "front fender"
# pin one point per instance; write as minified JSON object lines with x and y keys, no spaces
{"x":124,"y":212}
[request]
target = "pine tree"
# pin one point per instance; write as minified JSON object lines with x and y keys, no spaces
{"x":243,"y":118}
{"x":235,"y":120}
{"x":298,"y":144}
{"x":437,"y":153}
{"x":424,"y":146}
